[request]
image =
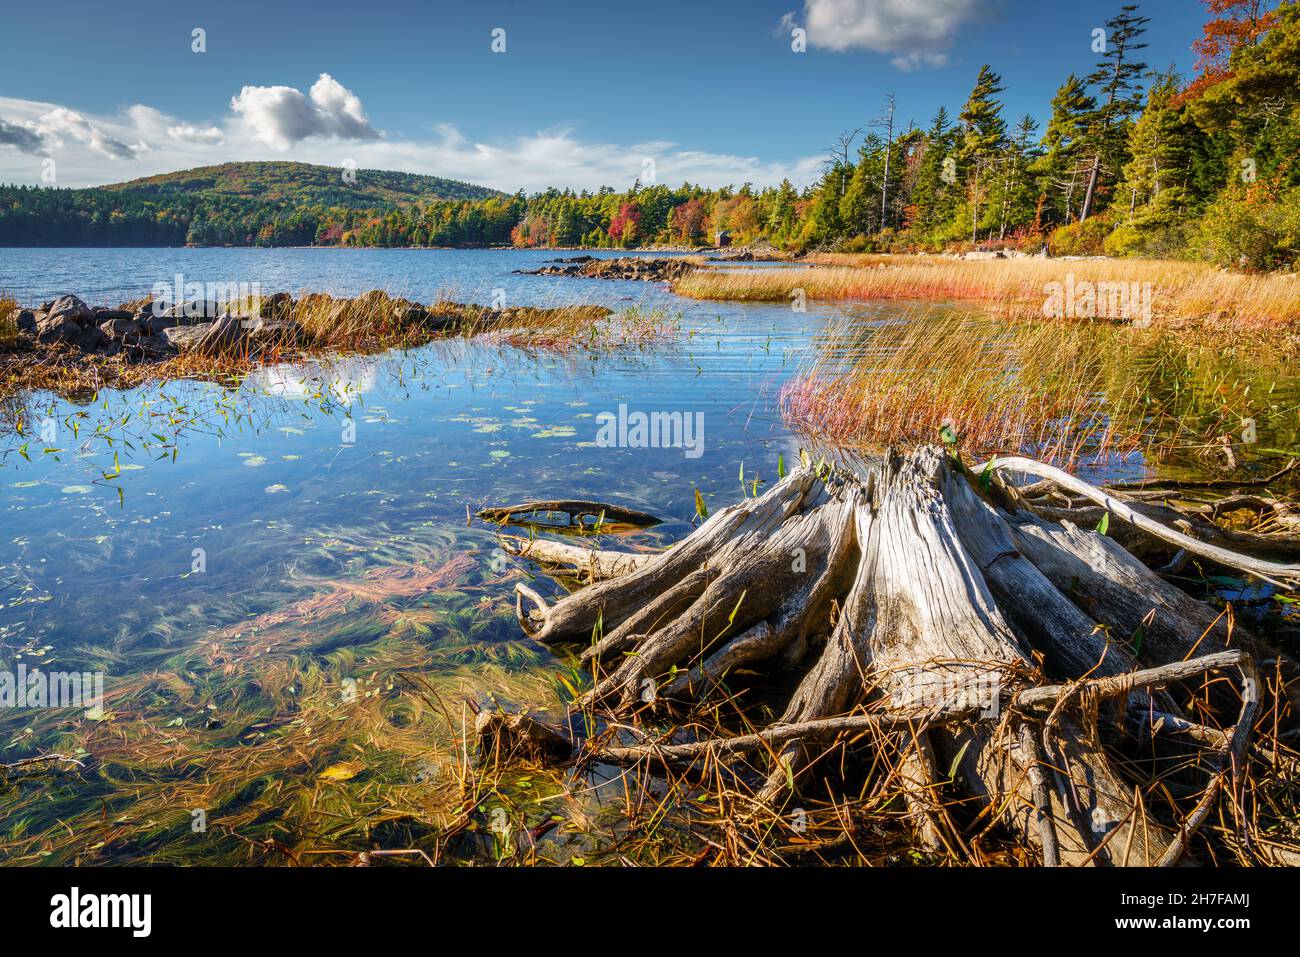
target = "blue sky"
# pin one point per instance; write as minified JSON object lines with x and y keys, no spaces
{"x":584,"y":93}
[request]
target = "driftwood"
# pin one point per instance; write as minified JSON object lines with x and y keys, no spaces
{"x":916,"y":610}
{"x":576,"y":509}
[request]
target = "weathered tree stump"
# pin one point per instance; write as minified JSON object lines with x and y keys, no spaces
{"x":912,"y":603}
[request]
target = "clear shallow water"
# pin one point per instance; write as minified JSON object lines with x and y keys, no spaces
{"x":324,"y":506}
{"x":261,"y":572}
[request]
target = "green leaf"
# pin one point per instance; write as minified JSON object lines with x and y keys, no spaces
{"x":1104,"y":524}
{"x":780,"y":466}
{"x":986,"y":477}
{"x":956,"y":762}
{"x":948,"y":435}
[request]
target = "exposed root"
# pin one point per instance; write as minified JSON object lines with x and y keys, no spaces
{"x":927,"y":627}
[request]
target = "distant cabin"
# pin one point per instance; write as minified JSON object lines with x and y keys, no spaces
{"x":722,"y":237}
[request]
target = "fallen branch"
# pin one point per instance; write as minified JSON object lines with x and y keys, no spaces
{"x":576,"y":509}
{"x":1274,"y":572}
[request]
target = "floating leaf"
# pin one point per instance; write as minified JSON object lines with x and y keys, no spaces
{"x":343,"y":771}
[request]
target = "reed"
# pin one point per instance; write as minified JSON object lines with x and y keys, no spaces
{"x":1181,"y":294}
{"x":1060,"y":391}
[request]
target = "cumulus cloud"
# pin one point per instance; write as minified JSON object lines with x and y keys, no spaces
{"x":281,"y":116}
{"x":20,"y":137}
{"x":917,"y":32}
{"x":62,"y":122}
{"x":189,"y":133}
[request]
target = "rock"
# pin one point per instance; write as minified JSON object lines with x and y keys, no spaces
{"x":208,"y":338}
{"x":120,"y":326}
{"x":156,"y":347}
{"x":222,"y":336}
{"x":60,"y":328}
{"x":627,"y":267}
{"x":267,"y":332}
{"x":90,"y":339}
{"x":103,"y":314}
{"x":184,"y":338}
{"x":27,"y":322}
{"x":71,"y":307}
{"x":189,"y":313}
{"x":277,"y":306}
{"x":155,"y":325}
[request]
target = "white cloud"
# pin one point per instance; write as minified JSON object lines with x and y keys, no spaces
{"x":329,"y":127}
{"x":189,"y":133}
{"x":917,"y":32}
{"x":61,"y":122}
{"x":20,"y":136}
{"x":281,"y":116}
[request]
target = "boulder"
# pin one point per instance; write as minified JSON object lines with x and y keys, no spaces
{"x":27,"y":322}
{"x":208,"y":338}
{"x":70,"y":307}
{"x":268,"y":332}
{"x":90,"y":339}
{"x":277,"y":306}
{"x":184,"y":338}
{"x":156,"y":347}
{"x":155,"y":325}
{"x":224,"y":335}
{"x":103,"y":314}
{"x":60,"y":328}
{"x":120,"y":326}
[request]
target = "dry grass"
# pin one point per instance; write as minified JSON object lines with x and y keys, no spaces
{"x":1182,"y":294}
{"x":373,"y":322}
{"x":8,"y":322}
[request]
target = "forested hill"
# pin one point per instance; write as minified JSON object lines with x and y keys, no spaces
{"x":258,"y":204}
{"x":303,"y":184}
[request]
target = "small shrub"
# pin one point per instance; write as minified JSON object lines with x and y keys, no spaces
{"x":1086,"y":238}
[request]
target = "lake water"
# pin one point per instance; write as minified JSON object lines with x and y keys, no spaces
{"x":245,"y":564}
{"x":278,"y":581}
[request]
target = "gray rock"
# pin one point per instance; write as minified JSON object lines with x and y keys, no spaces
{"x":90,"y":339}
{"x":61,"y":328}
{"x":119,"y":327}
{"x":277,"y":306}
{"x":155,"y":325}
{"x":186,"y":338}
{"x":156,"y":347}
{"x":103,"y":314}
{"x":71,"y":307}
{"x":27,"y":322}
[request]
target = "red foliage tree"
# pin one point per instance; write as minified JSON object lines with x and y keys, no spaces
{"x":686,"y":222}
{"x":1233,"y":24}
{"x":623,"y":227}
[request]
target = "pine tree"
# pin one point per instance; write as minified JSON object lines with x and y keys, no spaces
{"x":983,"y":137}
{"x":1117,"y":77}
{"x":1060,"y":169}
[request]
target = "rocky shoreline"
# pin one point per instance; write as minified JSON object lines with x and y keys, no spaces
{"x":143,"y":331}
{"x":637,"y":268}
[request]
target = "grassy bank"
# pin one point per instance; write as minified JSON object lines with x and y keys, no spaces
{"x":1182,"y":295}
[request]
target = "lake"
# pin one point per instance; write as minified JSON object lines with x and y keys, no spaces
{"x":279,"y":581}
{"x":272,"y":554}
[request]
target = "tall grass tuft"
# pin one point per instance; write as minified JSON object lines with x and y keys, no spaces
{"x":1060,"y":391}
